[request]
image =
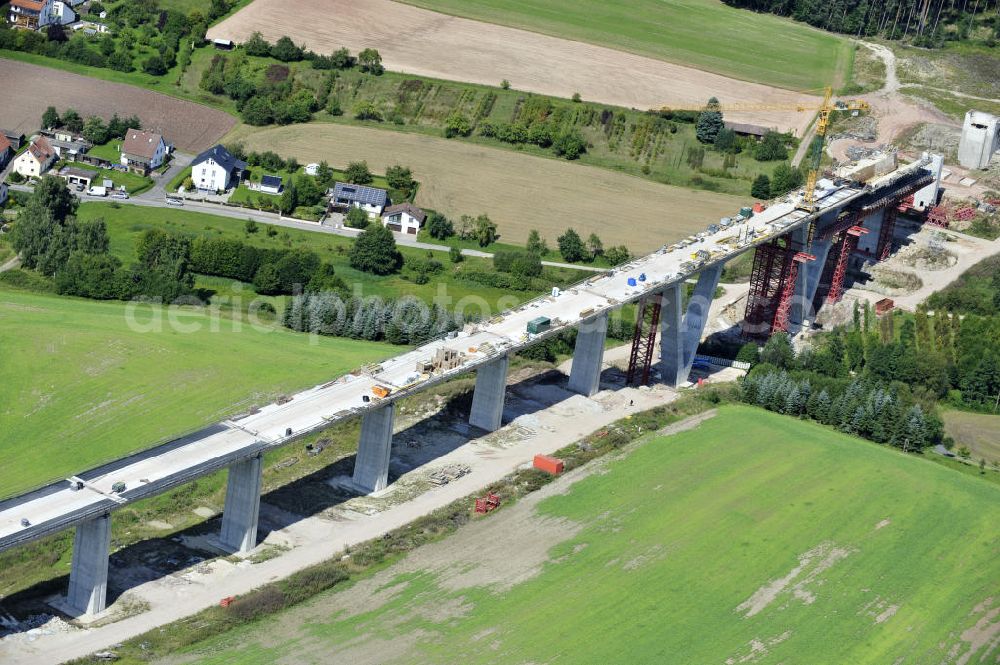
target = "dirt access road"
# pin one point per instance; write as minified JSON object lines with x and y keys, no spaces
{"x":540,"y":417}
{"x":894,"y":112}
{"x":427,"y":43}
{"x":30,"y":89}
{"x":519,"y":192}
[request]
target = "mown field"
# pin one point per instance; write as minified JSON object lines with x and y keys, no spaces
{"x":786,"y":543}
{"x":744,"y":45}
{"x":519,"y":192}
{"x":979,"y":432}
{"x":79,"y":386}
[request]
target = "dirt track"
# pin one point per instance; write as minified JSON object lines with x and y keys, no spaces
{"x":519,"y":192}
{"x":431,"y":44}
{"x":29,"y":89}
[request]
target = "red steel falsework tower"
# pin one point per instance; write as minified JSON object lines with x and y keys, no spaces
{"x":772,"y":285}
{"x":643,"y":340}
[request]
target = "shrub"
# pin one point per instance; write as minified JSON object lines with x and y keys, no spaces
{"x":374,"y":251}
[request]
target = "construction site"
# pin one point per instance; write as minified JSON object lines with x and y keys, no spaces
{"x":808,"y":247}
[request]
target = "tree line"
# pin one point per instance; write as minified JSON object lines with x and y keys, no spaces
{"x":926,"y":23}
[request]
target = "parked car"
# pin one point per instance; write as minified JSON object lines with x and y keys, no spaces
{"x":174,"y":202}
{"x":122,"y":196}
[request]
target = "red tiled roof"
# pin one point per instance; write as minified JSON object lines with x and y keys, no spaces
{"x":5,"y":144}
{"x":141,"y":144}
{"x":33,"y":5}
{"x":41,"y":149}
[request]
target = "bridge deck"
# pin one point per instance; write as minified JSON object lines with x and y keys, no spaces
{"x":57,"y":506}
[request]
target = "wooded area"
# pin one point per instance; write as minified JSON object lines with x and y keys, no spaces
{"x":924,"y":22}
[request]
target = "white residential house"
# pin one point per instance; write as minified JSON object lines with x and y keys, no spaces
{"x":143,"y":151}
{"x":62,"y":13}
{"x":36,"y":160}
{"x":403,"y":218}
{"x":216,"y":170}
{"x":30,"y":14}
{"x":370,"y":199}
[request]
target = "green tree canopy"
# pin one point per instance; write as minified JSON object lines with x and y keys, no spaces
{"x":374,"y":251}
{"x":709,"y":122}
{"x":571,"y":246}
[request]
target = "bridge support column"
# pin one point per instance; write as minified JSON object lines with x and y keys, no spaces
{"x":680,"y":339}
{"x":588,"y":355}
{"x":88,"y":577}
{"x":868,"y":244}
{"x":807,"y":282}
{"x":672,"y":336}
{"x":487,"y":400}
{"x":239,"y":518}
{"x":371,"y":466}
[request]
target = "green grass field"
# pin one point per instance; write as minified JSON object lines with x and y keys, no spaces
{"x":126,"y":223}
{"x":753,"y":538}
{"x":702,"y":33}
{"x":79,"y":387}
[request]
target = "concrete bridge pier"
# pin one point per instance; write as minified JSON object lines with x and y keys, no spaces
{"x":588,"y":355}
{"x":807,"y":282}
{"x":239,"y":517}
{"x":672,"y":335}
{"x":371,"y":466}
{"x":487,"y":400}
{"x":88,"y":577}
{"x":680,"y":337}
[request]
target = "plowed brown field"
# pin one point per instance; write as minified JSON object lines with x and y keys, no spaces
{"x":26,"y":90}
{"x":519,"y":192}
{"x":427,"y":43}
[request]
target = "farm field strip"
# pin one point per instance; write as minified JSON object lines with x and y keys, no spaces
{"x":786,"y":542}
{"x":191,"y":127}
{"x":415,"y":40}
{"x":745,"y":45}
{"x":519,"y":192}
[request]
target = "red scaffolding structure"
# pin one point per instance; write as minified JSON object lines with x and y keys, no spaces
{"x":886,"y":232}
{"x":848,"y":243}
{"x":643,"y":340}
{"x":772,"y":284}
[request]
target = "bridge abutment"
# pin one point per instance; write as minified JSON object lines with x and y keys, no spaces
{"x":242,"y":509}
{"x":88,"y":577}
{"x":488,"y":398}
{"x":371,"y":466}
{"x":588,"y":355}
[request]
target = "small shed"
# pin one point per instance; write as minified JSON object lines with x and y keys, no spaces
{"x":271,"y":184}
{"x":884,"y":306}
{"x":223,"y":44}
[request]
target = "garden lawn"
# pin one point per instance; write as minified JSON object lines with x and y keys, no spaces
{"x":127,"y":223}
{"x":701,"y":33}
{"x":133,"y":183}
{"x":78,"y":386}
{"x":754,"y":537}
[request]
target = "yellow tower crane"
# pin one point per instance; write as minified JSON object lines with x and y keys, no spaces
{"x":824,"y":110}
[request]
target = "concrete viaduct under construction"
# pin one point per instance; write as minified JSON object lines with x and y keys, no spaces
{"x":801,"y":259}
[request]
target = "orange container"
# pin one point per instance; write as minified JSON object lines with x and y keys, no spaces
{"x":758,"y":207}
{"x":548,"y":464}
